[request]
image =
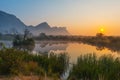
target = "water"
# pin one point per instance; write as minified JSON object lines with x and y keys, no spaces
{"x":6,"y":43}
{"x":74,"y":49}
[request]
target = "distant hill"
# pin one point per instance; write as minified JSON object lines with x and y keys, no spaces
{"x":45,"y":28}
{"x":10,"y":24}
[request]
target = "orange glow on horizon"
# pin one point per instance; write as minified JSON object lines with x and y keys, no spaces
{"x":91,"y":30}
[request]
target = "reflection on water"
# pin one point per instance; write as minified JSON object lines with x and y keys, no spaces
{"x":74,"y":49}
{"x":77,"y":49}
{"x":45,"y":46}
{"x":7,"y":44}
{"x":113,"y":48}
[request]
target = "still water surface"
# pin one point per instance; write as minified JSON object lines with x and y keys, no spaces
{"x":74,"y":49}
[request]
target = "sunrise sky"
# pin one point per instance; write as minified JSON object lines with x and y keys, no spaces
{"x":81,"y":17}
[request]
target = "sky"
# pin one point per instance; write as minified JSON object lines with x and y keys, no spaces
{"x":81,"y":17}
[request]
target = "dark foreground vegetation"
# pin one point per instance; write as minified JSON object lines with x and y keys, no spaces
{"x":17,"y":62}
{"x":89,"y":67}
{"x":14,"y":62}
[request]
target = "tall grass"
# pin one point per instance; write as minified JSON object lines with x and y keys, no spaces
{"x":89,"y":67}
{"x":18,"y":62}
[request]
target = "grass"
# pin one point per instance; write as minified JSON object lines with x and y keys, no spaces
{"x":14,"y":62}
{"x":89,"y":67}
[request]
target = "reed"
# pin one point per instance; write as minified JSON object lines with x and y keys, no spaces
{"x":89,"y":67}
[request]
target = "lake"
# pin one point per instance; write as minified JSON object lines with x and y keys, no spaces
{"x":74,"y":49}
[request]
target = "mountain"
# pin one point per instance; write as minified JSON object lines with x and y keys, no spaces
{"x":46,"y":28}
{"x":10,"y":24}
{"x":43,"y":26}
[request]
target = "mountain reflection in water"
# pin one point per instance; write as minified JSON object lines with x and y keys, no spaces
{"x":46,"y":46}
{"x":74,"y":49}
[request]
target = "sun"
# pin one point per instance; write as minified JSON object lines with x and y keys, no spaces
{"x":102,"y":30}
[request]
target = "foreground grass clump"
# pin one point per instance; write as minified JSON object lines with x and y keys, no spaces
{"x":17,"y":62}
{"x":89,"y":67}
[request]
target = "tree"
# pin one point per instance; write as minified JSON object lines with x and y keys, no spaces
{"x":26,"y":42}
{"x":43,"y":36}
{"x":99,"y":35}
{"x":26,"y":32}
{"x":0,"y":34}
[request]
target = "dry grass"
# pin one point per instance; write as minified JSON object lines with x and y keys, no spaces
{"x":26,"y":78}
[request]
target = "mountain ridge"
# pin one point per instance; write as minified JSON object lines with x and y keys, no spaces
{"x":10,"y":24}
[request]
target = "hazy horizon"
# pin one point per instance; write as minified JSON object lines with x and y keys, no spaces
{"x":80,"y":17}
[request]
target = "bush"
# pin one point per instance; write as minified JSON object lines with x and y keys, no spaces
{"x":15,"y":62}
{"x":11,"y":61}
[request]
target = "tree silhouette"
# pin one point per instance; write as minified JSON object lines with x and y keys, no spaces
{"x":99,"y":35}
{"x":25,"y":42}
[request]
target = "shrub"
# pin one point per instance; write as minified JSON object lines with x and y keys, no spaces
{"x":15,"y":62}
